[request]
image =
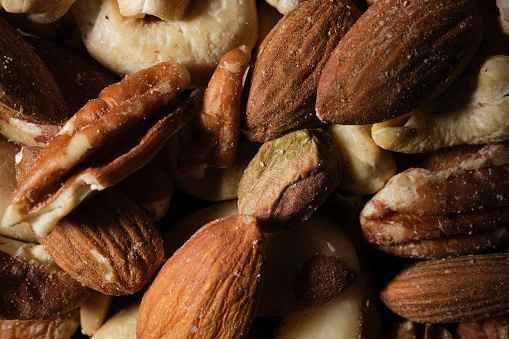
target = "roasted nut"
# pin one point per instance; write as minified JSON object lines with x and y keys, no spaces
{"x":104,"y":142}
{"x":365,"y":167}
{"x":38,"y":102}
{"x":8,"y":152}
{"x":214,"y":279}
{"x":451,"y":290}
{"x":489,"y":329}
{"x":456,"y":204}
{"x":209,"y":30}
{"x":287,"y":67}
{"x":396,"y":57}
{"x":473,"y":110}
{"x":108,"y":244}
{"x":405,"y":329}
{"x":289,"y":178}
{"x":306,"y":265}
{"x":216,"y":126}
{"x":32,"y":286}
{"x":60,"y":326}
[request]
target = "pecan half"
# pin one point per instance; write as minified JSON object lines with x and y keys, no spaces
{"x":108,"y":139}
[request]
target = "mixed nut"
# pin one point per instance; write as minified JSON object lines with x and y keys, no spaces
{"x":254,"y":169}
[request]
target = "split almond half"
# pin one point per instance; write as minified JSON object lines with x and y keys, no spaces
{"x":210,"y":287}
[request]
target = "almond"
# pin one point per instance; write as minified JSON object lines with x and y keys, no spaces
{"x":399,"y":55}
{"x":288,"y":67}
{"x":210,"y":287}
{"x":472,"y":287}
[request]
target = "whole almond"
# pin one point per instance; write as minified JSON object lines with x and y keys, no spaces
{"x":399,"y":55}
{"x":210,"y":287}
{"x":449,"y":290}
{"x":288,"y":67}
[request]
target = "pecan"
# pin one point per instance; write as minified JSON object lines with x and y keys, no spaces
{"x":108,"y":139}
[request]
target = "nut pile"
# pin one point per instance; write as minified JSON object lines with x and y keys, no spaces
{"x":254,"y":169}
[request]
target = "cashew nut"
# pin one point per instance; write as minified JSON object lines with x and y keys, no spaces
{"x":474,"y":110}
{"x":365,"y":167}
{"x":40,"y":11}
{"x":208,"y":31}
{"x":163,"y":9}
{"x":284,"y":6}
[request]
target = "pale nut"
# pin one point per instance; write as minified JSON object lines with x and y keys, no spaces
{"x":108,"y":244}
{"x":72,"y":165}
{"x":40,"y":11}
{"x":473,"y":110}
{"x":121,"y":325}
{"x":93,"y":312}
{"x":396,"y":57}
{"x":365,"y":167}
{"x":453,"y":205}
{"x":471,"y":287}
{"x":32,"y":286}
{"x":216,"y":126}
{"x":287,"y":67}
{"x":165,"y":10}
{"x":289,"y":178}
{"x":60,"y":326}
{"x":352,"y":314}
{"x":214,"y":279}
{"x":284,"y":6}
{"x":209,"y":30}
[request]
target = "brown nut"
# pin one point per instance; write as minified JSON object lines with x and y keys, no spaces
{"x":108,"y":244}
{"x":471,"y":287}
{"x":32,"y":286}
{"x":289,"y":178}
{"x":288,"y":65}
{"x":60,"y":326}
{"x":455,"y":204}
{"x":488,"y":329}
{"x":396,"y":57}
{"x":216,"y":126}
{"x":405,"y":329}
{"x":210,"y":287}
{"x":104,"y":142}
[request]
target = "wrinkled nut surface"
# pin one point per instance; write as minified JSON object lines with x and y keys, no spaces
{"x":32,"y":286}
{"x":471,"y":287}
{"x":473,"y":110}
{"x":489,"y":329}
{"x":216,"y":126}
{"x":108,"y":244}
{"x":455,"y":205}
{"x":399,"y":55}
{"x":214,"y":279}
{"x":108,"y":139}
{"x":208,"y":31}
{"x":365,"y":167}
{"x":60,"y":326}
{"x":289,"y":178}
{"x":288,"y":65}
{"x":405,"y":329}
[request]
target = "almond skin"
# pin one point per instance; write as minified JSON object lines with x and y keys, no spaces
{"x":399,"y":55}
{"x":210,"y":287}
{"x":451,"y":290}
{"x":288,"y":67}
